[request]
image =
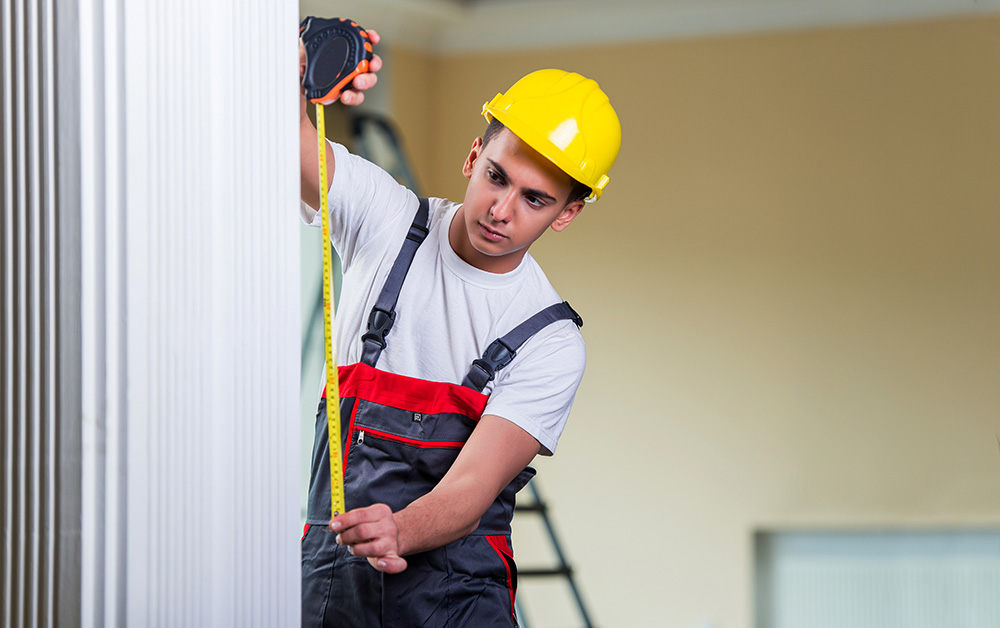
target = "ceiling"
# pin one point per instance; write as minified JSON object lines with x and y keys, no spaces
{"x":449,"y":26}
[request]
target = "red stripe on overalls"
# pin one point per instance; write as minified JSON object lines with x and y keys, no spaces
{"x":416,"y":395}
{"x":399,"y":391}
{"x":499,"y":544}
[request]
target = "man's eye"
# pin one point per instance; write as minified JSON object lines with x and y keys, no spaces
{"x":493,"y":176}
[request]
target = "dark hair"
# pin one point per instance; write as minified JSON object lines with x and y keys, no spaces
{"x":579,"y":192}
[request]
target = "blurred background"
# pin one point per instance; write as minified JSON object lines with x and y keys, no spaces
{"x":790,"y":290}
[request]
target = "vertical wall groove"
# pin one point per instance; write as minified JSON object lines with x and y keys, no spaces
{"x":20,"y":318}
{"x":35,"y":432}
{"x":49,"y":329}
{"x":67,"y":443}
{"x":28,"y":489}
{"x":7,"y":337}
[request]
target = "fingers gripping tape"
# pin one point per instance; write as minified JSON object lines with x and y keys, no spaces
{"x":337,"y":50}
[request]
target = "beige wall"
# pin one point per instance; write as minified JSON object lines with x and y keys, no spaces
{"x":791,"y":291}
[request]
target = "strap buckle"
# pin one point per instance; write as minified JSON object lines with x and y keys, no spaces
{"x":496,"y":356}
{"x":577,"y":319}
{"x":379,"y":324}
{"x":417,"y":233}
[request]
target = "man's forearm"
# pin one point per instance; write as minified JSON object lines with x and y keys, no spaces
{"x":497,"y":451}
{"x":440,"y":517}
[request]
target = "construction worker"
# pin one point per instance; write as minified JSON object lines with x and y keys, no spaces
{"x":441,"y":418}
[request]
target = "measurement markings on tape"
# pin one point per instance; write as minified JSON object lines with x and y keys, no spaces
{"x":332,"y":379}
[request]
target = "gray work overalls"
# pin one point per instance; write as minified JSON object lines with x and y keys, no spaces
{"x":400,"y":435}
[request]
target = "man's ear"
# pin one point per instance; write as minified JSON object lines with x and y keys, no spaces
{"x":566,"y":216}
{"x":470,"y":161}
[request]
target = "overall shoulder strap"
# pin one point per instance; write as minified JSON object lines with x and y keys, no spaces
{"x":502,"y":350}
{"x":383,"y":314}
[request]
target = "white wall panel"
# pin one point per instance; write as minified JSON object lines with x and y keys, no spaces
{"x":150,"y":321}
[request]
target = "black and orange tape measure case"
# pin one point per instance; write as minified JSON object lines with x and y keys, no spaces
{"x":337,"y":50}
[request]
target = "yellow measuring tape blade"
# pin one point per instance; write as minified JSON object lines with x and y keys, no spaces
{"x":332,"y":379}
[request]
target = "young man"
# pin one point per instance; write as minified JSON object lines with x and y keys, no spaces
{"x":435,"y":445}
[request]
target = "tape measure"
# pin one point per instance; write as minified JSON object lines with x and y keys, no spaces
{"x":337,"y":50}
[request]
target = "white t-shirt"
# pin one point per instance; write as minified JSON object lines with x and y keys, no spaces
{"x":448,"y":311}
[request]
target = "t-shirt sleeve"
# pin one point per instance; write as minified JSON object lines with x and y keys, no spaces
{"x":364,"y":202}
{"x":536,"y":391}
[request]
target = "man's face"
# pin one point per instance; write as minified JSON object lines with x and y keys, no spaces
{"x":513,"y":195}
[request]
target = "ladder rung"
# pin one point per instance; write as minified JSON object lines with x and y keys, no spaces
{"x":530,"y":508}
{"x":557,"y":571}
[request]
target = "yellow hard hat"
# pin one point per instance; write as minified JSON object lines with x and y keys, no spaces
{"x":565,"y":117}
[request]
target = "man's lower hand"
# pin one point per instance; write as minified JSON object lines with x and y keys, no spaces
{"x":371,"y":532}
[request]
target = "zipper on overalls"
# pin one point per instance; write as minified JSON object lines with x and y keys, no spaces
{"x":423,"y":444}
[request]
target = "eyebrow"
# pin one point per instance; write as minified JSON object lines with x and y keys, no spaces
{"x":531,"y":191}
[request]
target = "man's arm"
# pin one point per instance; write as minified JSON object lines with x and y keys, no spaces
{"x":308,"y":142}
{"x":495,"y":453}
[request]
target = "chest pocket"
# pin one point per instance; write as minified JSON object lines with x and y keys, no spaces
{"x":397,"y":455}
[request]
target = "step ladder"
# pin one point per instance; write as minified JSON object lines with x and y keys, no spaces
{"x":562,"y":569}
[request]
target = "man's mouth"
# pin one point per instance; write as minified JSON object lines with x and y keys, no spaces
{"x":490,"y":234}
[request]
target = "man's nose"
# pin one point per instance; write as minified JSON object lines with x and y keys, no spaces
{"x":504,"y":207}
